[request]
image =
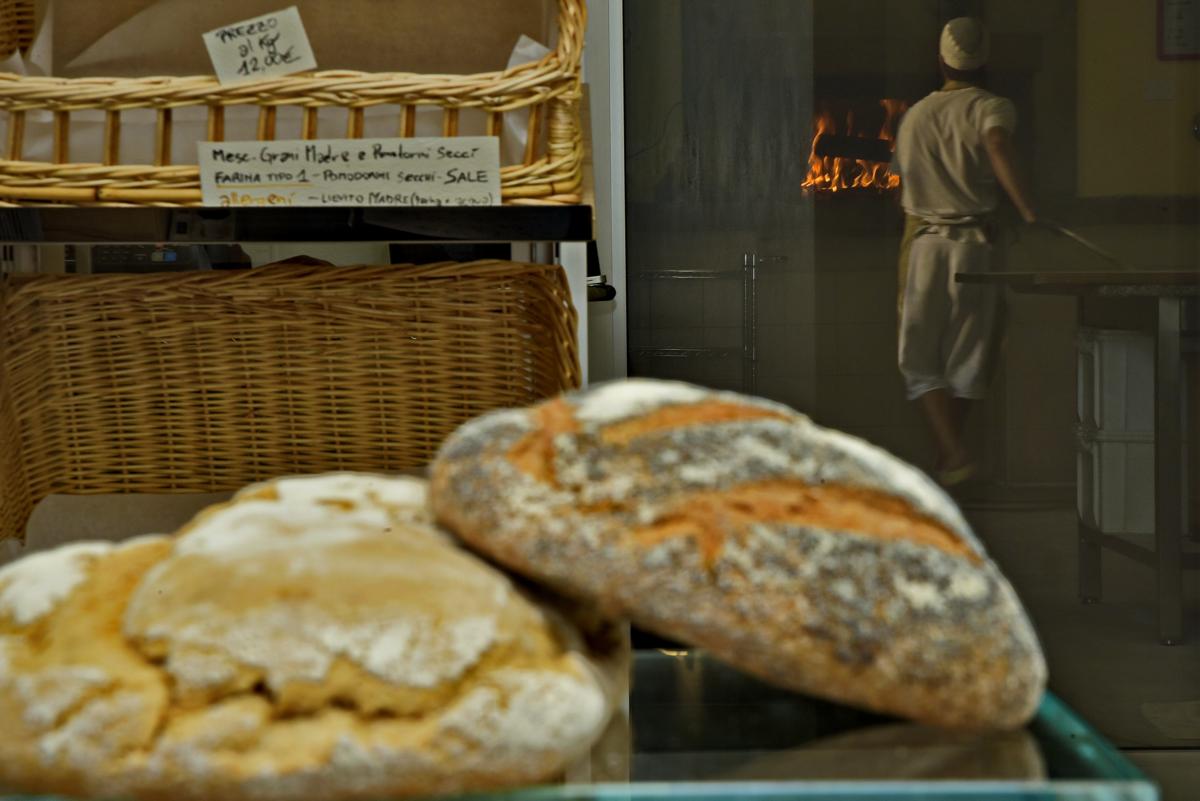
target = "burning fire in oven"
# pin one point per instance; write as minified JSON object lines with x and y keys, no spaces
{"x":854,"y":155}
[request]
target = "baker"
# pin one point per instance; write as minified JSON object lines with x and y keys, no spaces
{"x":952,"y":150}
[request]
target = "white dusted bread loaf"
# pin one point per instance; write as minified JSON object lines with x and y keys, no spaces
{"x":797,"y":553}
{"x":316,"y":638}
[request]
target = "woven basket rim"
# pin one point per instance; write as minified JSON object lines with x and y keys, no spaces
{"x":257,"y":85}
{"x":479,"y":268}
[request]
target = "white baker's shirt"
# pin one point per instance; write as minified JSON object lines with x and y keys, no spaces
{"x":941,"y":157}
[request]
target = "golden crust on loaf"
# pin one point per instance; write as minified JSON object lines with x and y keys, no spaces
{"x":314,"y":638}
{"x":73,"y":692}
{"x":805,"y":556}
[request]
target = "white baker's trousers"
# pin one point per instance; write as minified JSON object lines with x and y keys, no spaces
{"x":947,"y":329}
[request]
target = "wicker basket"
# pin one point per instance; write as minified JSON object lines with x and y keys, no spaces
{"x":205,"y":381}
{"x":16,"y":25}
{"x":549,"y":90}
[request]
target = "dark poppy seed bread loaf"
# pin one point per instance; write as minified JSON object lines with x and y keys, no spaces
{"x":799,"y":554}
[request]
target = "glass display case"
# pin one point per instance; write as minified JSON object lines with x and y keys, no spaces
{"x":698,"y":729}
{"x":693,"y":728}
{"x":747,"y":212}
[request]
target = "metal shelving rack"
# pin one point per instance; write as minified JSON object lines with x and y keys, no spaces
{"x":752,"y":265}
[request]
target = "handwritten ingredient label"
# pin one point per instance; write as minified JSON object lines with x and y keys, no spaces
{"x":433,"y":171}
{"x":263,"y":47}
{"x":1179,"y":28}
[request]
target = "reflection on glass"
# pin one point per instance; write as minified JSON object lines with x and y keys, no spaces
{"x":748,"y":271}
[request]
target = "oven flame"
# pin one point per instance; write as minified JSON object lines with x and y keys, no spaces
{"x":830,"y":173}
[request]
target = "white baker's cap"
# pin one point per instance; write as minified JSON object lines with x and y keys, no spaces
{"x":964,"y":44}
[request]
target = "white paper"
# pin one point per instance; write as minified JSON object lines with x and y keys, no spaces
{"x":1180,"y":29}
{"x":262,"y":47}
{"x":516,"y":124}
{"x":432,"y":171}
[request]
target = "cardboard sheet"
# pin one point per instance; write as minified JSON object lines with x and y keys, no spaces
{"x":129,"y":38}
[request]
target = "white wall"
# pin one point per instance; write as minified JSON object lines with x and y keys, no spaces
{"x":603,"y":72}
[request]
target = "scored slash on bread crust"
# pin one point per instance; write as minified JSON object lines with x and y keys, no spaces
{"x":715,"y":518}
{"x":797,"y":553}
{"x":315,"y":638}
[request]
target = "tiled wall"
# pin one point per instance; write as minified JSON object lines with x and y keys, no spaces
{"x":787,"y":343}
{"x":859,"y":386}
{"x":1037,"y":390}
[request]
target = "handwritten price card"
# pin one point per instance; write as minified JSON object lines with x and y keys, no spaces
{"x":433,"y":171}
{"x":1179,"y":29}
{"x":263,"y":47}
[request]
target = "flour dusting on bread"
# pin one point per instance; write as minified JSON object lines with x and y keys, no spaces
{"x":798,"y":553}
{"x":31,"y":587}
{"x":621,"y":400}
{"x":314,"y":638}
